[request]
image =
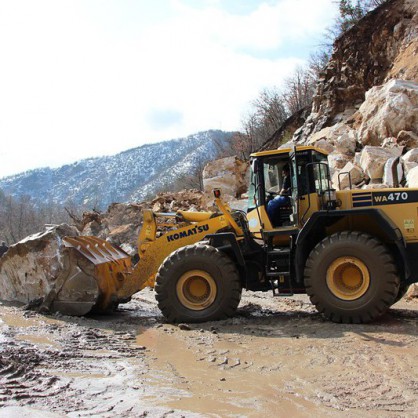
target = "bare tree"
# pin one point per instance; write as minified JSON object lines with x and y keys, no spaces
{"x":299,"y":91}
{"x":272,"y":107}
{"x":243,"y":145}
{"x":270,"y":110}
{"x":317,"y":62}
{"x":269,"y":113}
{"x":23,"y":216}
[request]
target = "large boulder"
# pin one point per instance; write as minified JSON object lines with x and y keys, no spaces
{"x":373,"y":160}
{"x":346,"y":143}
{"x":407,"y":139}
{"x":230,"y":175}
{"x":412,"y":177}
{"x":340,"y":137}
{"x":388,"y":110}
{"x":393,"y":172}
{"x":337,"y":162}
{"x":350,"y":175}
{"x":325,"y":145}
{"x":410,"y":160}
{"x":29,"y":268}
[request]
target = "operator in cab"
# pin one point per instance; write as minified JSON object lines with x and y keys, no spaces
{"x":281,"y":200}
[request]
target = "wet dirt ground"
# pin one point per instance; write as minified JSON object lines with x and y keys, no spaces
{"x":276,"y":358}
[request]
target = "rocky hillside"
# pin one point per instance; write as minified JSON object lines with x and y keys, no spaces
{"x":129,"y":176}
{"x":381,"y":47}
{"x":365,"y":112}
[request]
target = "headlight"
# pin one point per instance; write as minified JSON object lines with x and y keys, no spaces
{"x":330,"y":199}
{"x":330,"y":195}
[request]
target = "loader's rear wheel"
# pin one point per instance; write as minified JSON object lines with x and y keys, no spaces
{"x":197,"y":283}
{"x":348,"y":278}
{"x":351,"y":277}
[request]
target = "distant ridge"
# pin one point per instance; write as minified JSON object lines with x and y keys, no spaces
{"x":131,"y":175}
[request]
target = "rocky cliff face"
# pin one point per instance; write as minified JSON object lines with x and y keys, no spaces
{"x":381,"y":47}
{"x":365,"y":111}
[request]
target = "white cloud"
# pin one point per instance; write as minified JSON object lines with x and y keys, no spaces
{"x":267,"y":27}
{"x":82,"y":78}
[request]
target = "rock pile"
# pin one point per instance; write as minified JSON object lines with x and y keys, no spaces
{"x":192,"y":200}
{"x":385,"y":128}
{"x":121,"y":223}
{"x":365,"y":111}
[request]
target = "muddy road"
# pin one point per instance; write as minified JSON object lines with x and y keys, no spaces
{"x":277,"y":357}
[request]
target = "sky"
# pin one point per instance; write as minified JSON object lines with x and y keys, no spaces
{"x":87,"y":78}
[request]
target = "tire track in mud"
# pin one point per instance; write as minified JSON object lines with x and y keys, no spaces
{"x":56,"y":377}
{"x":24,"y":381}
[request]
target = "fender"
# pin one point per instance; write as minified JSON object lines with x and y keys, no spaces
{"x":227,"y":242}
{"x":314,"y":231}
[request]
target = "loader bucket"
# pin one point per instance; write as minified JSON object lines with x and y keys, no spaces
{"x":92,"y":279}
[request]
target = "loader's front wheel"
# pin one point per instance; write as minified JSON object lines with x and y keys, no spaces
{"x":351,"y":277}
{"x":197,"y":283}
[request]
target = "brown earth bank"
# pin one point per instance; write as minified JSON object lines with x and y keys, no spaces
{"x":276,"y":357}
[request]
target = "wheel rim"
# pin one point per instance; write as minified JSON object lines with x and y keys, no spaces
{"x":196,"y":290}
{"x":348,"y":278}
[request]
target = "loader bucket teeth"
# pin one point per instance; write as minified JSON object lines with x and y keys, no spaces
{"x":95,"y":249}
{"x":92,"y":279}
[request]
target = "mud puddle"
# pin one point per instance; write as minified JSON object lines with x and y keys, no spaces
{"x":275,"y":358}
{"x":219,"y":381}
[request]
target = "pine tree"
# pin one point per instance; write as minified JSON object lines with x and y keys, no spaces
{"x":350,"y":12}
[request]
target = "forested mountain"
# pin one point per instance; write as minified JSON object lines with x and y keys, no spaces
{"x":131,"y":175}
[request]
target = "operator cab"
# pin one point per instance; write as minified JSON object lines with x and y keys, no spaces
{"x":310,"y":188}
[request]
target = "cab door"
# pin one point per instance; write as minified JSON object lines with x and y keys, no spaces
{"x":295,"y":180}
{"x":257,"y":217}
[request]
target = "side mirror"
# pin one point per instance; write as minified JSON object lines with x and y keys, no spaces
{"x":254,"y":166}
{"x":217,"y":193}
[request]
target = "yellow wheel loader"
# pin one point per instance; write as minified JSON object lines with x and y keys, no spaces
{"x":354,"y":252}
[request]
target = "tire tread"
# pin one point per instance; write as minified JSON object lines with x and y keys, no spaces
{"x":391,"y":282}
{"x":163,"y":285}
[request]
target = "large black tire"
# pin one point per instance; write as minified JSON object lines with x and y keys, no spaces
{"x":198,"y":283}
{"x":351,"y":277}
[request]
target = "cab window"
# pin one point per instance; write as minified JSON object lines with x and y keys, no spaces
{"x":320,"y":172}
{"x":252,"y":193}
